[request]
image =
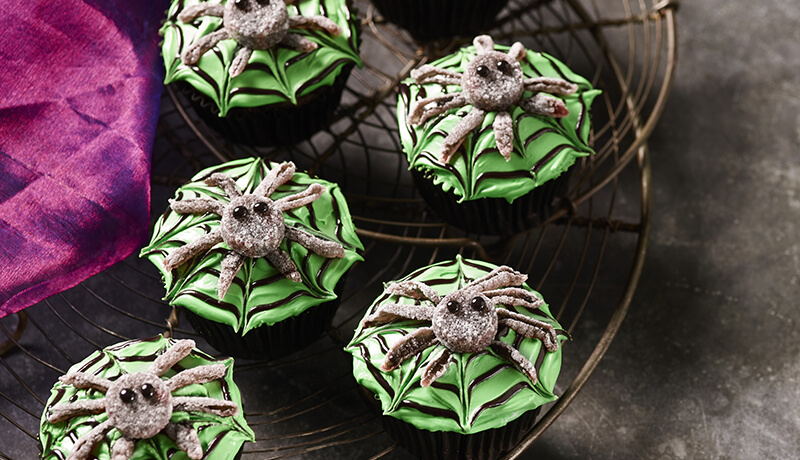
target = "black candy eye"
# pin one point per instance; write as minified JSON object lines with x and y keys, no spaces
{"x":147,"y":390}
{"x":127,"y":395}
{"x":453,"y":306}
{"x":478,"y":304}
{"x":241,"y":4}
{"x":503,"y":66}
{"x":263,"y":2}
{"x":240,"y":212}
{"x":482,"y":71}
{"x":261,"y":207}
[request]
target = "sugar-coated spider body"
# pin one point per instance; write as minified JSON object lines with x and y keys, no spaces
{"x":464,"y":321}
{"x":492,"y":82}
{"x":252,"y":225}
{"x":254,"y":25}
{"x":139,"y":405}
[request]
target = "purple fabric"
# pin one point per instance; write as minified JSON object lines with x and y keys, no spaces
{"x":80,"y":83}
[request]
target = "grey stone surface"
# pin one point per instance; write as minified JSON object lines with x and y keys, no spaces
{"x":706,"y":364}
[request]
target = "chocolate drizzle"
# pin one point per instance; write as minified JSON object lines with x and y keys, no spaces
{"x":261,"y":287}
{"x":116,"y":360}
{"x":479,"y":391}
{"x":298,"y":77}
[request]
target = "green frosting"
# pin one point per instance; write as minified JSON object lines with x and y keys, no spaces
{"x":479,"y":391}
{"x":220,"y":437}
{"x":272,"y":76}
{"x":544,"y":147}
{"x":260,"y":294}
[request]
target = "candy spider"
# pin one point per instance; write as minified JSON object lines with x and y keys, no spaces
{"x":492,"y":82}
{"x":465,"y":321}
{"x":139,"y":405}
{"x":252,"y":225}
{"x":255,"y":25}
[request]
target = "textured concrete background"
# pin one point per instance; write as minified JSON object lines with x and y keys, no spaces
{"x":706,"y":364}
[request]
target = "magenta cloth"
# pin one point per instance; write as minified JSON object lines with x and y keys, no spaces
{"x":80,"y":83}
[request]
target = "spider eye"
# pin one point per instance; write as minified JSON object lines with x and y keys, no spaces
{"x":482,"y":71}
{"x":147,"y":390}
{"x":263,"y":2}
{"x":241,"y":4}
{"x":478,"y":304}
{"x":453,"y":306}
{"x":127,"y":395}
{"x":240,"y":212}
{"x":261,"y":207}
{"x":503,"y":67}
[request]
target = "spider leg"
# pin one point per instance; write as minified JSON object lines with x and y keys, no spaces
{"x":414,"y":290}
{"x":407,"y":347}
{"x":193,"y":53}
{"x":179,"y":256}
{"x":499,"y":277}
{"x":529,"y":327}
{"x":65,"y":411}
{"x":275,"y":178}
{"x":231,"y":264}
{"x":303,"y":198}
{"x":84,"y":380}
{"x":298,"y":43}
{"x":200,"y":374}
{"x":503,"y":128}
{"x":186,"y":439}
{"x":432,"y":74}
{"x":515,"y":296}
{"x":284,"y":264}
{"x":179,"y":350}
{"x":436,"y":368}
{"x":508,"y":352}
{"x":483,"y":43}
{"x":393,"y":311}
{"x":226,"y":183}
{"x":196,"y":206}
{"x":550,"y":85}
{"x":315,"y":244}
{"x":548,"y":106}
{"x":220,"y":407}
{"x":202,"y":9}
{"x":422,"y":110}
{"x":240,"y":62}
{"x":517,"y":51}
{"x":314,"y":22}
{"x":123,"y":448}
{"x":83,"y":448}
{"x":453,"y":140}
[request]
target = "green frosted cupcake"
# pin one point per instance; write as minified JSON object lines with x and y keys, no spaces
{"x":491,"y":134}
{"x":153,"y":399}
{"x":460,"y":356}
{"x":256,"y":255}
{"x":261,"y":73}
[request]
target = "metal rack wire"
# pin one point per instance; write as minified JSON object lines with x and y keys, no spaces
{"x":586,"y":259}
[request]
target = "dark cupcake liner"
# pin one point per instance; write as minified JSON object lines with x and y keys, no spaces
{"x":436,"y":19}
{"x":275,"y":124}
{"x":494,"y":216}
{"x":444,"y":445}
{"x":269,"y":342}
{"x":441,"y":445}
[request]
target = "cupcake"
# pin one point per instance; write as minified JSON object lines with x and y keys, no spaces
{"x":441,"y":19}
{"x":256,"y":255}
{"x":460,"y":356}
{"x":155,"y":398}
{"x":491,"y":133}
{"x":261,"y":72}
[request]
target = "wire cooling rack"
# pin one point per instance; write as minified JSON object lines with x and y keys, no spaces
{"x":586,"y":259}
